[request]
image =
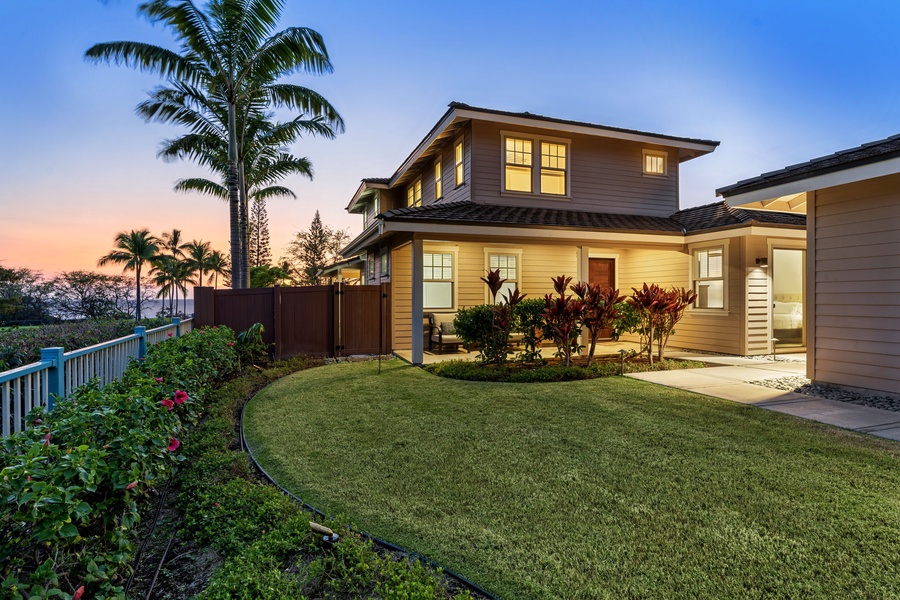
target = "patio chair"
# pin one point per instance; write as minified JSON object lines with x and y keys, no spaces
{"x":442,"y":334}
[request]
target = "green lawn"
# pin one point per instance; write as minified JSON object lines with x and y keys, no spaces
{"x":603,"y":488}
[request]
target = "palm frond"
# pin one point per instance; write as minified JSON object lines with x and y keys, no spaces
{"x":203,"y":186}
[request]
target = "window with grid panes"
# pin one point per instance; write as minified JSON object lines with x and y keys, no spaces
{"x":458,"y":163}
{"x":519,"y":177}
{"x":508,"y":264}
{"x":438,"y":181}
{"x":553,"y":168}
{"x":437,"y":280}
{"x":709,"y":277}
{"x":414,"y":194}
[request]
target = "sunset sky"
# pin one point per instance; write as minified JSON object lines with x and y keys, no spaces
{"x":777,"y":82}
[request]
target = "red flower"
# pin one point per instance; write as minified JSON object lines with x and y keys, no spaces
{"x":170,"y":334}
{"x":167,"y":403}
{"x":78,"y":593}
{"x":37,"y":422}
{"x":29,"y":478}
{"x":217,"y":505}
{"x":180,"y":396}
{"x":230,"y":344}
{"x":131,"y":485}
{"x":173,"y":444}
{"x":47,"y":439}
{"x":159,"y":380}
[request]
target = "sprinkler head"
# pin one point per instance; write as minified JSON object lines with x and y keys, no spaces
{"x":328,"y":541}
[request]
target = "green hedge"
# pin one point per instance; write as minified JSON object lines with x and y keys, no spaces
{"x":22,"y":345}
{"x":73,"y":483}
{"x":520,"y":373}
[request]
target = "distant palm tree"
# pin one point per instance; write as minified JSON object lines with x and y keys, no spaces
{"x":162,"y":278}
{"x":198,"y":256}
{"x":231,"y":54}
{"x":134,"y":248}
{"x":218,"y":265}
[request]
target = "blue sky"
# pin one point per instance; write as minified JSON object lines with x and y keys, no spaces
{"x":776,"y":82}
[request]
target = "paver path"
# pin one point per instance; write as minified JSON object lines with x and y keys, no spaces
{"x":731,"y":382}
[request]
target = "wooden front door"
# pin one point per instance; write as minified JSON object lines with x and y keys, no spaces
{"x":602,"y":271}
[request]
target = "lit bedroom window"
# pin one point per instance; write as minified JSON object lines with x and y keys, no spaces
{"x":709,"y":277}
{"x":655,"y":163}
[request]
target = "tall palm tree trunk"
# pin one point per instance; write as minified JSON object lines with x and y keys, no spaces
{"x":234,"y":202}
{"x":137,"y":285}
{"x":245,"y":229}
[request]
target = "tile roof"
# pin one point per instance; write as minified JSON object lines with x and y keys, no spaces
{"x":528,"y":115}
{"x":720,"y":215}
{"x":692,"y":220}
{"x":384,"y":180}
{"x":853,"y":157}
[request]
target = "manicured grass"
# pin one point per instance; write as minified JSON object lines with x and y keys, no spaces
{"x":589,"y":489}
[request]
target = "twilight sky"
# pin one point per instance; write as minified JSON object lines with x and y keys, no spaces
{"x":778,"y":82}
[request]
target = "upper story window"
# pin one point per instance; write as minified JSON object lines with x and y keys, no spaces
{"x":709,"y":277}
{"x":438,"y":280}
{"x":553,"y":168}
{"x":458,"y":163}
{"x":655,"y":163}
{"x":519,"y":177}
{"x":438,"y":180}
{"x":414,"y":194}
{"x":371,"y":211}
{"x":519,"y":174}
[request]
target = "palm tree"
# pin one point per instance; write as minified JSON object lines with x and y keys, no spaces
{"x":218,"y":265}
{"x":163,"y":269}
{"x":134,"y":248}
{"x":198,"y":258}
{"x":231,"y":55}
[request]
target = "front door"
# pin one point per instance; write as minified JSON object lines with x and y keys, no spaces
{"x":602,"y":271}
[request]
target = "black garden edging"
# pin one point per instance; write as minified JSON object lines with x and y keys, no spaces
{"x":377,"y":541}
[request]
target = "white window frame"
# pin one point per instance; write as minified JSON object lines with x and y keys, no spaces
{"x":459,"y":161}
{"x":500,"y":251}
{"x":658,"y":154}
{"x":723,"y":244}
{"x":370,"y":266}
{"x":454,"y":252}
{"x":536,"y":163}
{"x":438,"y":179}
{"x":414,"y":193}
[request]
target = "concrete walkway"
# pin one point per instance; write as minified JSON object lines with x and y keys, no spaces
{"x":731,"y":382}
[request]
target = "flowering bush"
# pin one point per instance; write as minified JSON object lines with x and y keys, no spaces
{"x":72,"y":483}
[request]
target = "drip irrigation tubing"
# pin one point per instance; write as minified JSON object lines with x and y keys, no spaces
{"x":380,"y":542}
{"x":140,"y":554}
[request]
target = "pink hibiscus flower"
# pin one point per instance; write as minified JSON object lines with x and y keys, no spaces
{"x":174,"y":444}
{"x":167,"y":403}
{"x":180,"y":396}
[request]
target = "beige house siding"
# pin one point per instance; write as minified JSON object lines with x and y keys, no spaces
{"x":721,"y":331}
{"x":606,"y":175}
{"x":856,"y":289}
{"x":401,"y":296}
{"x":758,"y":332}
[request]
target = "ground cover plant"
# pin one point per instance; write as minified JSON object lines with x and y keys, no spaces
{"x":22,"y":345}
{"x":549,"y":372}
{"x":73,"y":483}
{"x":609,"y":488}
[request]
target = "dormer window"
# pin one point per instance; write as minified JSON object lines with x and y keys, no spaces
{"x":414,"y":194}
{"x":655,"y":163}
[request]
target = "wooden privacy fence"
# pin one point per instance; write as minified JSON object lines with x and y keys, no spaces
{"x":320,"y":320}
{"x":59,"y":372}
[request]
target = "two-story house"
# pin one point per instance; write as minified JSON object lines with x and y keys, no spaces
{"x":538,"y":197}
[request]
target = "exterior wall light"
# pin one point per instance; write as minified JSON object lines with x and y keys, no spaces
{"x":762,"y":262}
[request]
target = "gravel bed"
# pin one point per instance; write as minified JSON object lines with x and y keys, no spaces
{"x":802,"y":385}
{"x":756,"y":357}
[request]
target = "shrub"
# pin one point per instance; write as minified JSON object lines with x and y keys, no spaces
{"x":473,"y":325}
{"x":74,"y":481}
{"x":563,"y":315}
{"x":22,"y":346}
{"x":529,"y":320}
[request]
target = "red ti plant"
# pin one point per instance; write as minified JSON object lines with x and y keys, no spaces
{"x":563,"y":315}
{"x":497,"y":345}
{"x":599,"y":310}
{"x":679,"y":300}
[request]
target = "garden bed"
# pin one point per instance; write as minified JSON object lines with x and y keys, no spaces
{"x":553,"y":369}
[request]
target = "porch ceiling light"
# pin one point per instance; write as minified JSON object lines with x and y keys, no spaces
{"x":762,"y":262}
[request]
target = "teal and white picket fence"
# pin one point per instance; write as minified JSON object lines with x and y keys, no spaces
{"x":58,"y":373}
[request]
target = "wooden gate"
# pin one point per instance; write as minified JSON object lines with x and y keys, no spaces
{"x":324,"y":320}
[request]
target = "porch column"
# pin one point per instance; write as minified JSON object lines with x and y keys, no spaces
{"x":583,"y":262}
{"x":418,"y":273}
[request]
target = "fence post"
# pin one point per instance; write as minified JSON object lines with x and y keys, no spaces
{"x":176,"y":321}
{"x":142,"y":342}
{"x":56,"y":376}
